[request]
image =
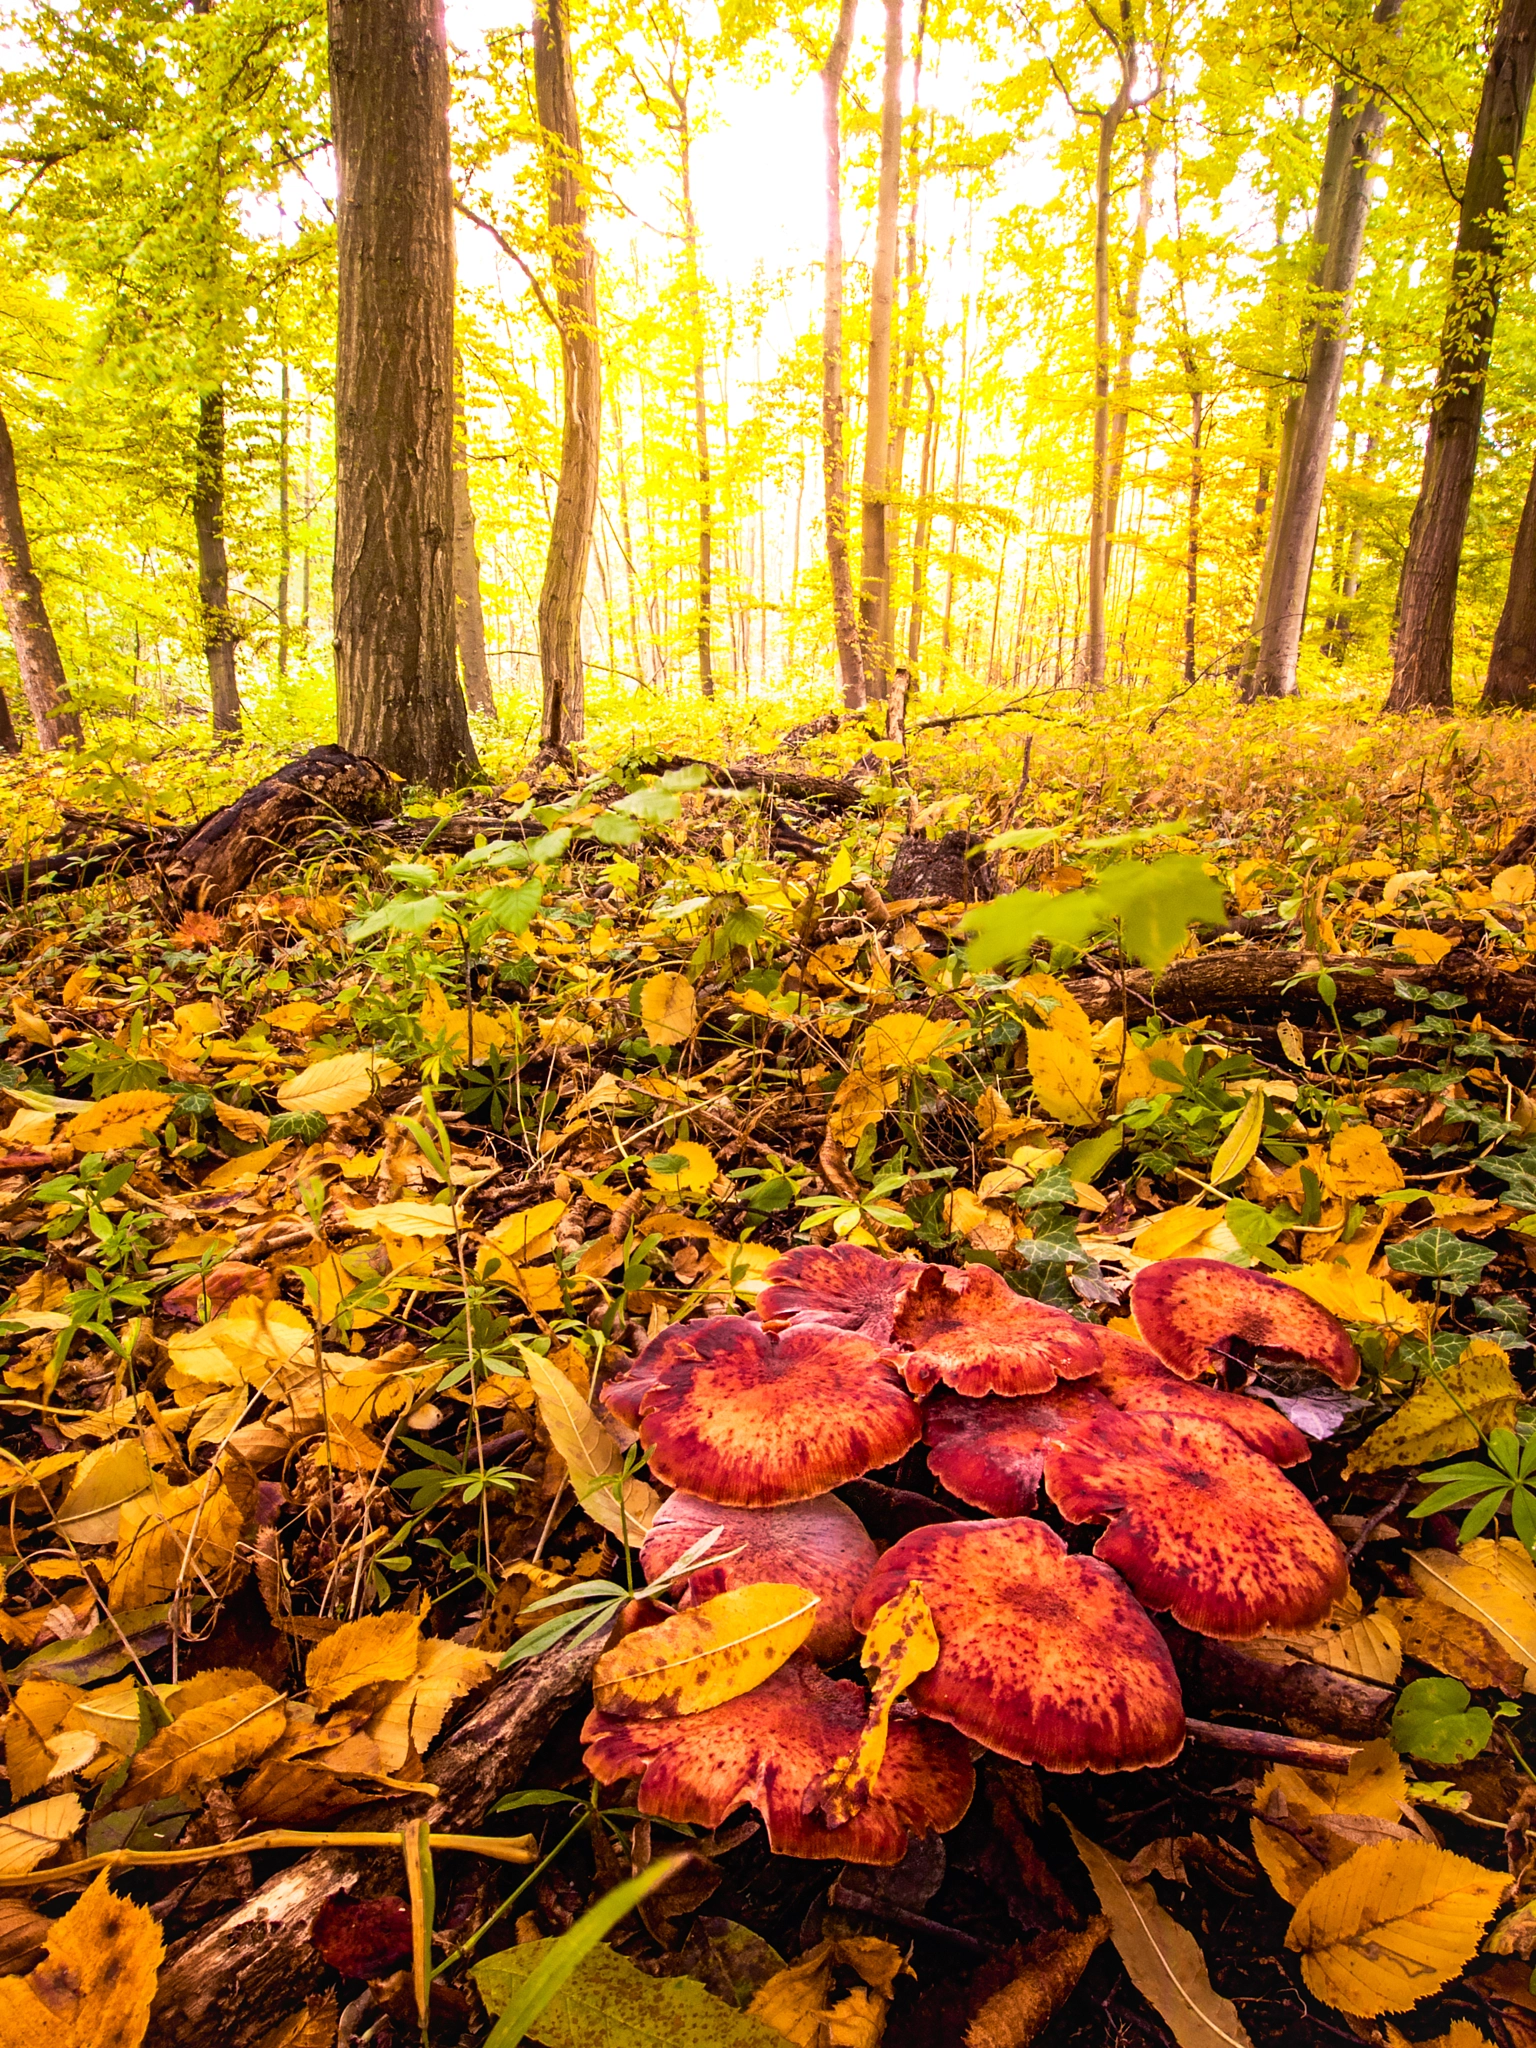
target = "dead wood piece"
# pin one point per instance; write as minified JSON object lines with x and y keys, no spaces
{"x":1253,"y":981}
{"x":951,"y":869}
{"x":226,"y":1984}
{"x":129,"y":851}
{"x":1308,"y":1698}
{"x":1295,"y":1750}
{"x":224,"y":854}
{"x":829,"y":791}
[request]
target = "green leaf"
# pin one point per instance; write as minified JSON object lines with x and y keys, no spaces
{"x":1435,"y":1721}
{"x":508,"y":910}
{"x":1089,"y":1156}
{"x":654,"y":806}
{"x":1157,"y":903}
{"x":1254,"y":1228}
{"x":1007,"y":929}
{"x":1441,"y":1256}
{"x":609,"y":829}
{"x":400,"y":914}
{"x":606,"y":2001}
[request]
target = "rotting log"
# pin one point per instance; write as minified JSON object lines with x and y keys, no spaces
{"x":1256,"y":982}
{"x":225,"y":1985}
{"x":1308,"y":1698}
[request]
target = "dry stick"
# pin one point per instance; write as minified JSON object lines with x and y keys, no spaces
{"x":1369,"y":1527}
{"x":500,"y":1848}
{"x":1286,"y":1749}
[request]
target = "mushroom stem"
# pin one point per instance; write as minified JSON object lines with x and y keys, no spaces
{"x":1284,"y":1749}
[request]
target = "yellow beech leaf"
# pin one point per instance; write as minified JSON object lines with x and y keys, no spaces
{"x":29,"y":1025}
{"x":1175,"y":1231}
{"x":95,"y":1985}
{"x":706,"y":1655}
{"x":31,"y":1834}
{"x":1371,"y":1794}
{"x":1514,"y":885}
{"x":669,"y":1010}
{"x":693,"y":1177}
{"x":407,"y":1219}
{"x":1055,"y":1005}
{"x":414,"y":1712}
{"x":372,"y":1651}
{"x":1492,"y":1581}
{"x":861,"y":1100}
{"x":1426,"y":949}
{"x":1137,"y":1081}
{"x":1067,"y":1084}
{"x":1445,"y":1413}
{"x":248,"y":1125}
{"x":119,"y":1120}
{"x":105,"y":1480}
{"x":592,"y":1457}
{"x":209,"y":1741}
{"x":1453,"y":1643}
{"x":179,"y":1535}
{"x":1161,"y":1958}
{"x":330,"y":1086}
{"x":304,"y":1018}
{"x":897,"y":1045}
{"x":1364,"y":1645}
{"x":901,"y":1645}
{"x":1241,"y":1142}
{"x":1356,"y":1297}
{"x":1361,"y":1165}
{"x":998,"y":1122}
{"x":1395,"y":1922}
{"x":526,"y":1235}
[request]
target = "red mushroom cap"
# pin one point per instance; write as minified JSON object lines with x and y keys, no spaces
{"x":966,"y":1327}
{"x":771,"y":1747}
{"x":1043,"y":1656}
{"x":842,"y":1286}
{"x":818,"y":1544}
{"x":753,"y":1420}
{"x":991,"y":1452}
{"x":1203,"y":1526}
{"x":1135,"y":1379}
{"x":1190,"y":1310}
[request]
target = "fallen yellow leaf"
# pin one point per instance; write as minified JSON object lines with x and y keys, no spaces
{"x":1445,"y":1413}
{"x":330,"y":1087}
{"x":707,"y":1655}
{"x":119,"y":1120}
{"x":95,"y":1985}
{"x":669,"y":1009}
{"x":378,"y":1648}
{"x":1370,"y":1795}
{"x":1067,"y":1084}
{"x":902,"y":1643}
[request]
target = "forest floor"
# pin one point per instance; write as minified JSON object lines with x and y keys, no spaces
{"x":327,"y":1213}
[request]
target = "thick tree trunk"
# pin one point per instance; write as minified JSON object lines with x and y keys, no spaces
{"x":874,"y":579}
{"x":574,"y":263}
{"x":469,"y":618}
{"x":1424,"y":646}
{"x":9,"y":742}
{"x":845,"y":620}
{"x":43,"y":681}
{"x":397,"y":690}
{"x":219,"y":635}
{"x":1511,"y":679}
{"x":1293,"y":527}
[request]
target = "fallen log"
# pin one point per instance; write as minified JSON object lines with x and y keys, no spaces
{"x":1256,"y":982}
{"x":225,"y":1985}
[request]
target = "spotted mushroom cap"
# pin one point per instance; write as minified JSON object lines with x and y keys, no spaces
{"x":818,"y":1544}
{"x":1134,"y":1379}
{"x":770,"y":1749}
{"x":843,"y":1286}
{"x":964,"y":1327}
{"x":1191,"y":1310}
{"x":1043,"y":1655}
{"x":749,"y":1418}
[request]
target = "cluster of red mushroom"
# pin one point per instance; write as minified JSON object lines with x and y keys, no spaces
{"x":1045,"y":1654}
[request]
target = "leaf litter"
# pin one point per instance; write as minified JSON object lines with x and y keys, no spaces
{"x":331,"y":1223}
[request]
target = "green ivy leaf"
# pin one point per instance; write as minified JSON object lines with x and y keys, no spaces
{"x":1441,"y":1256}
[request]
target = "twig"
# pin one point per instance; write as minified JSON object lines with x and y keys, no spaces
{"x":1286,"y":1749}
{"x":859,"y":1902}
{"x":500,"y":1848}
{"x":1369,"y":1527}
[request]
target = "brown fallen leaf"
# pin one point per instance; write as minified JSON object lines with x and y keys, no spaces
{"x":1454,"y":1643}
{"x":1053,"y":1963}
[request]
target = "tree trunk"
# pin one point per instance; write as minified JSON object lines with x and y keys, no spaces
{"x":845,"y":620}
{"x":1196,"y":489}
{"x":1293,"y":527}
{"x":912,"y":331}
{"x":284,"y":526}
{"x":468,"y":618}
{"x":874,"y":581}
{"x":706,"y":632}
{"x":1424,"y":645}
{"x":213,"y":561}
{"x":1511,"y":680}
{"x":922,"y":529}
{"x":397,"y":690}
{"x":9,"y":742}
{"x":1130,"y":315}
{"x":43,"y":681}
{"x":1094,"y":654}
{"x":574,"y":263}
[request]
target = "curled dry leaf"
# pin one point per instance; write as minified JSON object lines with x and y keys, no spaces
{"x":625,"y":1508}
{"x":1191,"y":1312}
{"x":1053,"y":1963}
{"x":1368,"y":1646}
{"x":29,"y":1836}
{"x":718,"y":1650}
{"x":965,"y":1328}
{"x":175,"y":1535}
{"x":768,"y":1748}
{"x":1043,"y":1656}
{"x":1373,"y":1789}
{"x":741,"y":1416}
{"x":818,"y":1544}
{"x":95,"y":1986}
{"x":900,"y":1646}
{"x":1161,"y":1957}
{"x":798,"y":2003}
{"x":1392,"y":1924}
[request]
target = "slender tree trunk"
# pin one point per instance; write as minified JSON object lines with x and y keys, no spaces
{"x":1196,"y":490}
{"x":1341,"y":630}
{"x":845,"y":618}
{"x":213,"y":561}
{"x":284,"y":526}
{"x":1130,"y":315}
{"x":1293,"y":525}
{"x":575,"y":274}
{"x":874,"y":582}
{"x":706,"y":627}
{"x":912,"y":330}
{"x":9,"y":743}
{"x":1424,"y":645}
{"x":43,"y":681}
{"x":397,"y":690}
{"x":921,"y":530}
{"x":1511,"y":680}
{"x":1095,"y":652}
{"x":962,"y":420}
{"x":469,"y":617}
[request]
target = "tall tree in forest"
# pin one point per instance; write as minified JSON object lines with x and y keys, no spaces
{"x":1510,"y":684}
{"x":469,"y":614}
{"x":879,"y":484}
{"x":574,"y":264}
{"x":1424,"y":645}
{"x":398,"y":696}
{"x":1354,"y":134}
{"x":845,"y":619}
{"x":220,"y":636}
{"x":43,"y":681}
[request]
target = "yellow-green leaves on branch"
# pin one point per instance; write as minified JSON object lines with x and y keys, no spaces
{"x":1152,"y":903}
{"x":1392,"y":1925}
{"x":624,"y":1507}
{"x":700,"y":1659}
{"x":901,"y":1645}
